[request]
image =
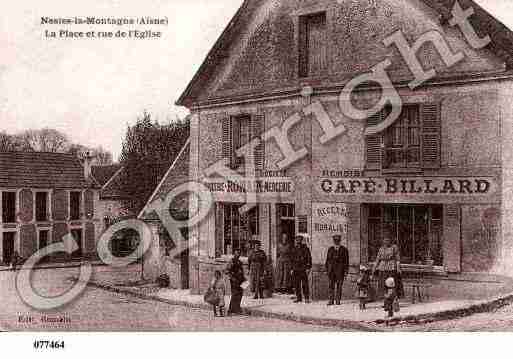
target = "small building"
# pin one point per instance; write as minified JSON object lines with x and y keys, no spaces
{"x":436,"y":178}
{"x":169,"y":255}
{"x":110,"y":204}
{"x":45,"y":196}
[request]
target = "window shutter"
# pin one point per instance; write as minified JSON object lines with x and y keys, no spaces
{"x":219,"y":229}
{"x":452,"y":240}
{"x":258,"y":125}
{"x":373,"y":148}
{"x":431,"y":136}
{"x":227,"y":139}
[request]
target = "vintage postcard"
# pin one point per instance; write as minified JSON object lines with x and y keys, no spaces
{"x":256,"y":166}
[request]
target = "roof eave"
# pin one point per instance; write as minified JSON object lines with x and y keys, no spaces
{"x":184,"y":99}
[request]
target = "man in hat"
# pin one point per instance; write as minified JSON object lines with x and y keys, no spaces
{"x":301,"y":265}
{"x":337,"y":266}
{"x":257,"y":260}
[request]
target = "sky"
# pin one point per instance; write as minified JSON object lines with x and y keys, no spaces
{"x":90,"y":89}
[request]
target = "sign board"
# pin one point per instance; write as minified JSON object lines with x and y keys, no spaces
{"x":442,"y":186}
{"x":264,"y":187}
{"x":329,"y":219}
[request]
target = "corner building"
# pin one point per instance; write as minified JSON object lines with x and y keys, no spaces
{"x":435,"y":178}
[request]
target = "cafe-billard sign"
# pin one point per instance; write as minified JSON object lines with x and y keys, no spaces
{"x":449,"y":186}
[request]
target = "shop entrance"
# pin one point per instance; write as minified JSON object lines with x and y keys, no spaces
{"x":8,"y":246}
{"x":286,"y":222}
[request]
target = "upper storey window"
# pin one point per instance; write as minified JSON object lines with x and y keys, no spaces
{"x":413,"y":141}
{"x":312,"y":44}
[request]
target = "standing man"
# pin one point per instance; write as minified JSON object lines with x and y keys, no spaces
{"x":337,"y":266}
{"x":257,"y":260}
{"x":301,"y":265}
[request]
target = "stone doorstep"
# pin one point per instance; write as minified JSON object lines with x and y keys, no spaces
{"x":196,"y":301}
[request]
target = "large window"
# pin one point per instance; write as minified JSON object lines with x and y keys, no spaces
{"x":41,"y":206}
{"x":74,"y":205}
{"x":8,"y":207}
{"x":312,"y":45}
{"x":416,"y":229}
{"x":239,"y":228}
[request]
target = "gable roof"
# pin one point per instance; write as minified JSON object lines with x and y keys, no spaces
{"x":103,"y":174}
{"x":41,"y":170}
{"x":177,"y":174}
{"x":484,"y":23}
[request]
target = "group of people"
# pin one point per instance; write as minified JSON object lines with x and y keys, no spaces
{"x":294,"y":263}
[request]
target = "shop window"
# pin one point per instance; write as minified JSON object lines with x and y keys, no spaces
{"x":238,"y":131}
{"x":74,"y":205}
{"x":42,"y":206}
{"x":416,"y":229}
{"x":239,"y":228}
{"x":312,"y":45}
{"x":8,"y":207}
{"x":411,"y":142}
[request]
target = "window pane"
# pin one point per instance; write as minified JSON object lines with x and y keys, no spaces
{"x":8,"y":207}
{"x":421,"y":235}
{"x":75,"y":205}
{"x":413,"y":155}
{"x":41,"y":206}
{"x":405,"y":234}
{"x":414,"y":136}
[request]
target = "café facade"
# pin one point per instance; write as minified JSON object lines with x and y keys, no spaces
{"x":434,"y":179}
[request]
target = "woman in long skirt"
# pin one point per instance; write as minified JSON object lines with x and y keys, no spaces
{"x":235,"y":272}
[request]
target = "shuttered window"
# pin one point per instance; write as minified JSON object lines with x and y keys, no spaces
{"x":9,"y":207}
{"x":413,"y":141}
{"x":41,"y":206}
{"x":239,"y":131}
{"x":312,"y":45}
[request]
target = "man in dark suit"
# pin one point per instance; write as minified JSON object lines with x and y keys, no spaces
{"x":337,"y":265}
{"x":301,"y":265}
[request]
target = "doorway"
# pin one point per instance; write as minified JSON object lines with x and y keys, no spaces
{"x":286,"y":222}
{"x":77,"y":236}
{"x":8,"y":246}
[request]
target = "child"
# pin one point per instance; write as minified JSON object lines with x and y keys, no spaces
{"x":363,"y":284}
{"x":390,"y":297}
{"x":219,"y":289}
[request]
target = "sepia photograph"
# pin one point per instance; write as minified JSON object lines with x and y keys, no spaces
{"x":335,"y":166}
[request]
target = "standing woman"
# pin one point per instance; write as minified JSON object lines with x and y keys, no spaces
{"x":388,"y":264}
{"x":235,"y":272}
{"x":283,"y":265}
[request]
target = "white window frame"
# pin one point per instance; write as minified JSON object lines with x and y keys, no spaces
{"x":16,"y":204}
{"x":17,"y":244}
{"x":48,"y":205}
{"x":82,"y":207}
{"x":39,"y":230}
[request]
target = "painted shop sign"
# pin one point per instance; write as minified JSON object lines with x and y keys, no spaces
{"x":450,"y":186}
{"x":257,"y":185}
{"x":329,"y":219}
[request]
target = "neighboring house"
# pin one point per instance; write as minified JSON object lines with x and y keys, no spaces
{"x":160,"y":260}
{"x":45,"y":196}
{"x":278,"y":59}
{"x":110,"y":205}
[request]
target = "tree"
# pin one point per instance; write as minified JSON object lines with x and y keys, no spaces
{"x":149,"y":148}
{"x":7,"y":142}
{"x":43,"y":140}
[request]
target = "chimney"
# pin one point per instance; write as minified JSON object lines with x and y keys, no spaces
{"x":88,"y":164}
